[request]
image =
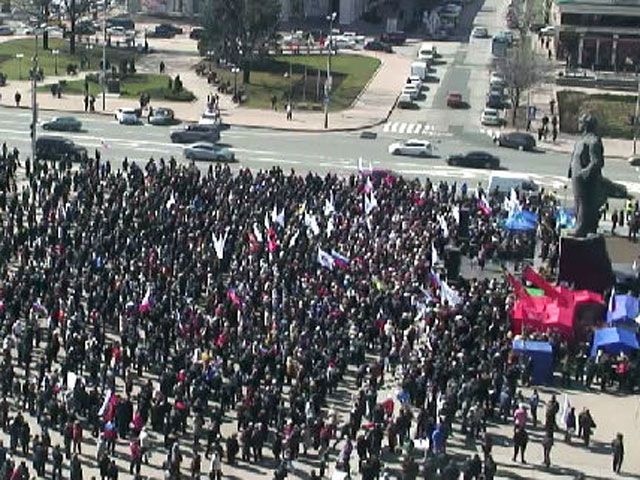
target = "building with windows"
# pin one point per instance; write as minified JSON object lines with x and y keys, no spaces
{"x":348,"y":10}
{"x":598,"y":34}
{"x":167,"y":7}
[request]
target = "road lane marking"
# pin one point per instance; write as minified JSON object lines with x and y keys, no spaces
{"x":402,"y":127}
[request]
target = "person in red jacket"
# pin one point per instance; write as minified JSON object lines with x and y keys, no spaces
{"x":77,"y":438}
{"x":136,"y":456}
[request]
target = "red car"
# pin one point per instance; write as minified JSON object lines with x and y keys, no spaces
{"x":454,"y":100}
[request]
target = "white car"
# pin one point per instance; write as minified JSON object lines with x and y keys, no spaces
{"x":490,"y":117}
{"x":209,"y":117}
{"x":343,"y":42}
{"x":411,"y":90}
{"x":480,"y":32}
{"x":209,"y":152}
{"x":548,"y":31}
{"x":421,"y":148}
{"x":116,"y":31}
{"x":358,"y":39}
{"x":415,"y":80}
{"x":127,"y":116}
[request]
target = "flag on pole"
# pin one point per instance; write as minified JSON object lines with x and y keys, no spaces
{"x":330,"y":227}
{"x":147,"y":302}
{"x":293,"y":239}
{"x":325,"y":259}
{"x":329,"y":206}
{"x":449,"y":295}
{"x":612,"y":300}
{"x":311,"y":222}
{"x":340,"y":260}
{"x":455,"y":213}
{"x":360,"y":166}
{"x":218,"y":244}
{"x":435,"y":259}
{"x":566,"y":407}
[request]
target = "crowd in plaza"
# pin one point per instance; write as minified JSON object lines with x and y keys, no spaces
{"x":146,"y":307}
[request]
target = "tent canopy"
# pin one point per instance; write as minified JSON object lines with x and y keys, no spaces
{"x":625,"y":308}
{"x":522,"y":221}
{"x":614,"y":341}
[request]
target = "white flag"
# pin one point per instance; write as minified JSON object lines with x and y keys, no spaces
{"x":294,"y":238}
{"x":325,"y":259}
{"x":330,"y":227}
{"x":257,"y":233}
{"x":455,"y":213}
{"x":360,"y":167}
{"x":435,"y":259}
{"x":329,"y":206}
{"x":311,"y":222}
{"x":449,"y":295}
{"x":218,"y":244}
{"x":277,"y":217}
{"x":443,"y":226}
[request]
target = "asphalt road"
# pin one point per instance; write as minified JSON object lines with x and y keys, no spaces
{"x":320,"y":152}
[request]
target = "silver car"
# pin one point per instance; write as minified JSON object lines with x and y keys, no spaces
{"x":209,"y":152}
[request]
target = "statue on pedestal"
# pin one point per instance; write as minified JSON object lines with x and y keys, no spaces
{"x":585,"y":172}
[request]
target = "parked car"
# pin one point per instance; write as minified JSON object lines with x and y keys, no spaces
{"x":519,"y":140}
{"x":378,"y":46}
{"x":548,"y":31}
{"x":496,"y":101}
{"x":49,"y":147}
{"x":634,"y":160}
{"x":394,"y":38}
{"x":63,"y":124}
{"x":477,"y":159}
{"x":413,"y":147}
{"x":127,"y":116}
{"x":454,"y":100}
{"x":411,"y":90}
{"x":480,"y":32}
{"x":85,"y":28}
{"x":116,"y":31}
{"x":406,"y":102}
{"x":161,"y":32}
{"x":162,"y":116}
{"x":6,"y":30}
{"x":171,"y":27}
{"x":194,"y":132}
{"x":209,"y":152}
{"x":196,"y":33}
{"x":490,"y":117}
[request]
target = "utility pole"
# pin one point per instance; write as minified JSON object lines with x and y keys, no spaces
{"x":635,"y":117}
{"x":327,"y":85}
{"x":34,"y":100}
{"x":104,"y":58}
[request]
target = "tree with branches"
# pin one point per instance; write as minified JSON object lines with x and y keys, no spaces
{"x":74,"y":9}
{"x":522,"y":70}
{"x":236,"y":30}
{"x":40,"y":9}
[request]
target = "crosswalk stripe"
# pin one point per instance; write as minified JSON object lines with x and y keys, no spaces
{"x":386,"y":127}
{"x":394,"y":127}
{"x":403,"y":127}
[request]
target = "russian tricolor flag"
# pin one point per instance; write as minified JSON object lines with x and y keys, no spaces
{"x":340,"y":260}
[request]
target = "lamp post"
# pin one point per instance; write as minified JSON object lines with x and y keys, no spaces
{"x":103,"y":78}
{"x":55,"y":60}
{"x":20,"y":56}
{"x":327,"y":85}
{"x":235,"y":71}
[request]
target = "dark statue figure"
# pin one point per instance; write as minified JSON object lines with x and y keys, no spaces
{"x":585,"y":172}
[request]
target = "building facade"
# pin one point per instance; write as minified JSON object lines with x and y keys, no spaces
{"x":348,"y":10}
{"x":168,"y":7}
{"x":598,"y":34}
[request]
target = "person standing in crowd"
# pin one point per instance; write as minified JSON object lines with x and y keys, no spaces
{"x":547,"y":443}
{"x":586,"y":425}
{"x":520,"y":440}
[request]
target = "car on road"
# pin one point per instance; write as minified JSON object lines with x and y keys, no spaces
{"x":378,"y":46}
{"x":127,"y":116}
{"x":116,"y":31}
{"x":480,"y":32}
{"x":162,"y":116}
{"x":6,"y":30}
{"x":490,"y":117}
{"x":415,"y":80}
{"x":518,"y":140}
{"x":548,"y":31}
{"x":454,"y":100}
{"x":196,"y":33}
{"x":634,"y":160}
{"x":49,"y":147}
{"x":394,"y":38}
{"x":63,"y":124}
{"x":194,"y":132}
{"x":477,"y":159}
{"x":171,"y":28}
{"x":209,"y":152}
{"x":413,"y":147}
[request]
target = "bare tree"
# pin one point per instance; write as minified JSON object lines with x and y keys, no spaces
{"x":522,"y":69}
{"x":41,"y":10}
{"x":74,"y":9}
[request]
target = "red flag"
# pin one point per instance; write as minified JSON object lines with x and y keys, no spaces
{"x":272,"y":243}
{"x":517,"y":286}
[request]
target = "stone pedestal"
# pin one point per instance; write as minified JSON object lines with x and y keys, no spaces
{"x":585,"y":264}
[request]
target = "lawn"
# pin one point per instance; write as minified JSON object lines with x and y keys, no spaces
{"x":157,"y":86}
{"x":612,"y":112}
{"x":11,"y":66}
{"x":271,"y":77}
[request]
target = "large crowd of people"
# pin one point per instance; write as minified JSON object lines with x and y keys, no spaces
{"x":213,"y":318}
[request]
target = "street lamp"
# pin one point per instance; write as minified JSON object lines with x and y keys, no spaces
{"x":104,"y":57}
{"x":327,"y":85}
{"x":55,"y":60}
{"x":235,"y":71}
{"x":20,"y":56}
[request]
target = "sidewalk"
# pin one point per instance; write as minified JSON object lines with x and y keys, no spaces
{"x":613,"y":147}
{"x":371,"y":107}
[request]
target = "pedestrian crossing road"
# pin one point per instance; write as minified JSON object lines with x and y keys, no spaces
{"x":407,"y":128}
